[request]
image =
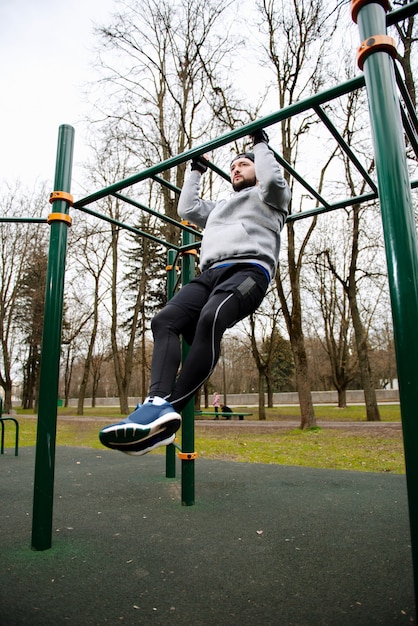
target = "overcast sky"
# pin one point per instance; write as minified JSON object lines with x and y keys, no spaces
{"x":45,"y":59}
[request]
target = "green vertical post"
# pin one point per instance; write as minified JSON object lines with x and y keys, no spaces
{"x":170,"y":453}
{"x":51,"y":344}
{"x":188,"y":440}
{"x":399,"y":232}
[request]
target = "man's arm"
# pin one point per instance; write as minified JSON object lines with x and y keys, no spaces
{"x":191,"y":207}
{"x":273,"y":188}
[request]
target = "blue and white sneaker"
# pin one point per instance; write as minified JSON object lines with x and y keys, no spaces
{"x":156,"y":419}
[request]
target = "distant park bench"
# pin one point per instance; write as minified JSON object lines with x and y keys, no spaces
{"x":227,"y":414}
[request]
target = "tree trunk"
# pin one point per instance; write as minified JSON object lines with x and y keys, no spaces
{"x":372,"y":410}
{"x":342,"y":398}
{"x":261,"y":400}
{"x":197,"y":400}
{"x":269,"y":392}
{"x":7,"y":405}
{"x":206,"y":395}
{"x":123,"y":400}
{"x":224,"y":379}
{"x":261,"y":368}
{"x":120,"y":365}
{"x":96,"y":375}
{"x":68,"y":372}
{"x":144,"y":389}
{"x":30,"y":373}
{"x":308,"y":419}
{"x":89,"y":357}
{"x":293,"y":320}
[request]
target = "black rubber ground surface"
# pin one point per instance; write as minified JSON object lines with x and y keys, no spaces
{"x":263,"y":545}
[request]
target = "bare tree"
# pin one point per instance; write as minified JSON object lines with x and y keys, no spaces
{"x":93,"y":257}
{"x":359,"y":217}
{"x":236,"y":371}
{"x":350,"y":282}
{"x":159,"y":60}
{"x":408,"y":36}
{"x":30,"y":319}
{"x":266,"y":344}
{"x":77,"y":315}
{"x":333,"y":303}
{"x":168,"y":54}
{"x":143,"y":277}
{"x":18,"y":241}
{"x":297,"y":37}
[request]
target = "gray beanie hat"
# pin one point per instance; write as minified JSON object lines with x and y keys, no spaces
{"x":246,"y":155}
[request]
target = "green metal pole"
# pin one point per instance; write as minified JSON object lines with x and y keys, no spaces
{"x":188,"y":440}
{"x":170,"y":454}
{"x":51,"y":345}
{"x":400,"y":239}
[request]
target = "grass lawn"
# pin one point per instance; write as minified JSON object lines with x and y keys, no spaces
{"x":322,"y":448}
{"x":388,"y":412}
{"x":374,"y":448}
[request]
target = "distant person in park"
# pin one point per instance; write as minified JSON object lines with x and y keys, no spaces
{"x":238,"y":259}
{"x":215,"y":403}
{"x":226,"y":409}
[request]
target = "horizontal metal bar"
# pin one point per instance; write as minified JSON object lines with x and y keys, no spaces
{"x":300,"y":179}
{"x":367,"y":197}
{"x":164,"y":218}
{"x":121,"y":225}
{"x":332,"y":207}
{"x":289,"y":111}
{"x":406,"y":98}
{"x":29,"y":220}
{"x":166,"y":183}
{"x":410,"y":121}
{"x":190,"y":246}
{"x":401,"y":14}
{"x":220,"y":172}
{"x":410,"y":132}
{"x":344,"y":146}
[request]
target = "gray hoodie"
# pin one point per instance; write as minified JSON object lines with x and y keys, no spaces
{"x":246,"y":226}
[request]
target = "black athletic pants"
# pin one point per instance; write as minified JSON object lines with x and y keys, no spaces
{"x":201,"y":312}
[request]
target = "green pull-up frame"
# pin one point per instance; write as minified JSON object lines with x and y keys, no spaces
{"x":375,"y":57}
{"x":51,"y":344}
{"x":394,"y":190}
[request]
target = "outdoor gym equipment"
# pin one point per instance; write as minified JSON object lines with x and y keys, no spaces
{"x":389,"y":120}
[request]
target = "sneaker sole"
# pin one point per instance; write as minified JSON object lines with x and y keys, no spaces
{"x":152,"y":444}
{"x":119,"y":436}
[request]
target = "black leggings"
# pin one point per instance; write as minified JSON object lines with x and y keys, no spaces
{"x":201,"y":312}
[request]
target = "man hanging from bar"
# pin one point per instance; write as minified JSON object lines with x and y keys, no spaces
{"x":238,"y":259}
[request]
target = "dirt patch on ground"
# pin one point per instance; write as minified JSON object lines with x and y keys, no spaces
{"x":382,"y":429}
{"x":236,"y":427}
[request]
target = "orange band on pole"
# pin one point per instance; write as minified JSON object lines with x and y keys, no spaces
{"x":187,"y":223}
{"x":193,"y":252}
{"x":59,"y":217}
{"x":356,"y":5}
{"x":61,"y":195}
{"x":375,"y":43}
{"x":172,"y":267}
{"x":187,"y":456}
